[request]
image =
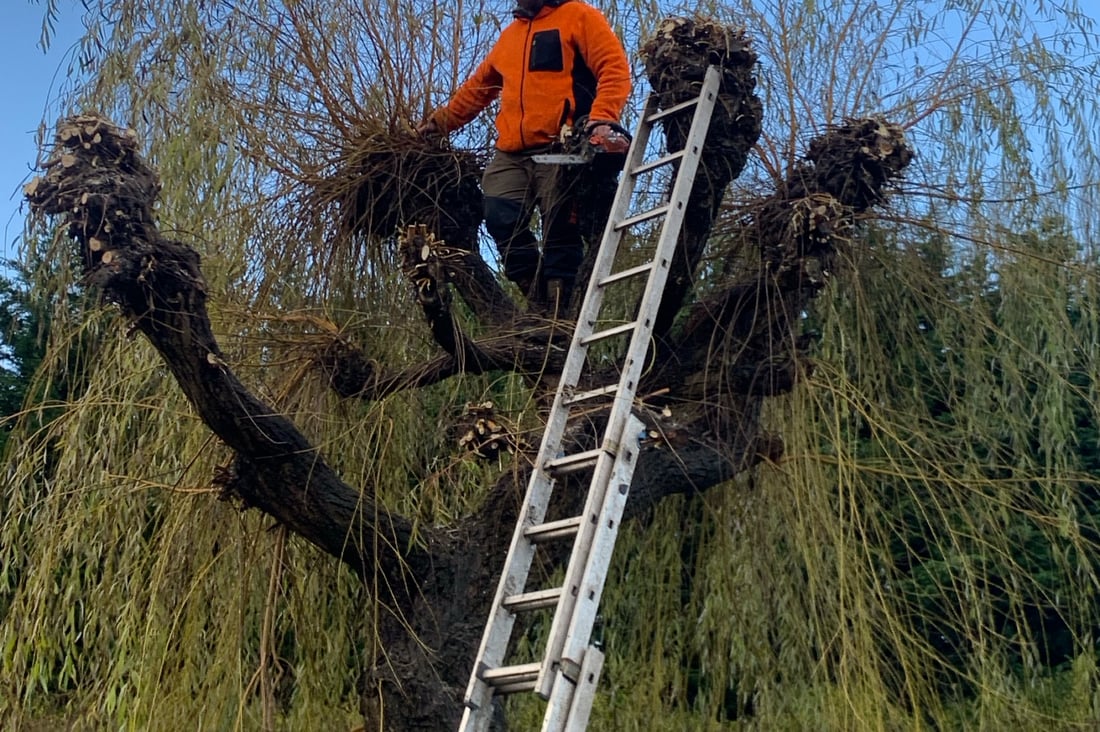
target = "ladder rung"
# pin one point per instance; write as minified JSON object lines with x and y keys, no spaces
{"x":591,"y":394}
{"x":516,"y":688}
{"x":672,"y":110}
{"x":528,"y":601}
{"x":509,"y":679}
{"x":654,"y":164}
{"x":573,"y":463}
{"x":626,"y":274}
{"x":551,"y":530}
{"x":644,"y":216}
{"x":617,"y":330}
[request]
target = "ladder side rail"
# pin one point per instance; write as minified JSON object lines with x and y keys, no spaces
{"x":572,"y":584}
{"x":592,"y":576}
{"x":623,"y":402}
{"x":593,"y":297}
{"x":559,"y":643}
{"x":634,"y":359}
{"x":476,"y":719}
{"x":498,"y":628}
{"x":584,"y":694}
{"x":517,"y":565}
{"x":563,"y":629}
{"x":611,"y":443}
{"x":478,"y":713}
{"x":666,"y":246}
{"x":609,"y":243}
{"x":678,"y":198}
{"x":605,"y":257}
{"x":577,"y":637}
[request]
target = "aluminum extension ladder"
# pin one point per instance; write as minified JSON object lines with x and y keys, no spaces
{"x":570,"y":667}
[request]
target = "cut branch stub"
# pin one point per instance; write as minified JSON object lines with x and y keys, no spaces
{"x":417,"y":247}
{"x":855,"y":160}
{"x":97,"y":181}
{"x":846,"y":172}
{"x":677,"y":57}
{"x":798,"y":232}
{"x":485,"y":434}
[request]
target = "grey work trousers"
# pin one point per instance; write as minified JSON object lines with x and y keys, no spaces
{"x":514,"y":185}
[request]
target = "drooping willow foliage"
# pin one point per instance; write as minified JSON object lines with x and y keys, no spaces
{"x":924,"y":555}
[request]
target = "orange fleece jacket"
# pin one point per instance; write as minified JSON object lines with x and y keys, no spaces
{"x":548,"y":71}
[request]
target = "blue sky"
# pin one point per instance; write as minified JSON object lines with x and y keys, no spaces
{"x":30,"y":82}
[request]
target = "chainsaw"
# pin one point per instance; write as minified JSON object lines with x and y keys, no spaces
{"x":606,"y":142}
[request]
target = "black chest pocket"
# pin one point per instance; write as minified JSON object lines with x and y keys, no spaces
{"x":546,"y":53}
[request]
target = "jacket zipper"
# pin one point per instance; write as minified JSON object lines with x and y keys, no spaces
{"x":523,"y":81}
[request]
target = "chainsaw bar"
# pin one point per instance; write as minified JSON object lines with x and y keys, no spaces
{"x":563,"y":159}
{"x":574,"y":148}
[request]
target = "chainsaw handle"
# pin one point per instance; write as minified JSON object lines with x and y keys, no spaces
{"x":591,"y":124}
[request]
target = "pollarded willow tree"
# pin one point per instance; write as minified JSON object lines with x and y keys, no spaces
{"x":854,"y":424}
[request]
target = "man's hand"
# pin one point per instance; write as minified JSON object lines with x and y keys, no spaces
{"x":608,"y":137}
{"x":591,"y":124}
{"x":428,"y":127}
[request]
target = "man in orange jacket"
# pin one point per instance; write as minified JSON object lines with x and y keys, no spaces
{"x":558,"y":63}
